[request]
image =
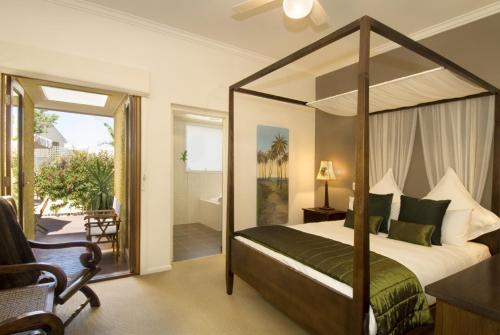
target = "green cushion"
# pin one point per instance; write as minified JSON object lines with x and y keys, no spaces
{"x":415,"y":233}
{"x":374,"y":222}
{"x":424,"y":211}
{"x":380,"y":205}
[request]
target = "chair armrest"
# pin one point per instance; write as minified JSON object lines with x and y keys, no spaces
{"x":31,"y":321}
{"x":56,"y":271}
{"x":89,"y":259}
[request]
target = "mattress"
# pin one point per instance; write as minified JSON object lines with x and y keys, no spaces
{"x":429,"y":264}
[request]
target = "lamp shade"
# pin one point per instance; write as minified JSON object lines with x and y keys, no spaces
{"x":326,"y":171}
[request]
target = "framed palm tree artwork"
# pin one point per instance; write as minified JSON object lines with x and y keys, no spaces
{"x":272,"y":175}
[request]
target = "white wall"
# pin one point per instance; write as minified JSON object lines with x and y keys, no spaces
{"x":251,"y":112}
{"x":181,"y":207}
{"x":191,"y":187}
{"x":82,"y":44}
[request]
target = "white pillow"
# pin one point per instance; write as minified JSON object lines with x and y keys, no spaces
{"x":388,"y":185}
{"x":450,"y":187}
{"x":351,"y":203}
{"x":455,"y":227}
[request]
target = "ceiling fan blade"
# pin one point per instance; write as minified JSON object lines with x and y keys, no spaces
{"x":318,"y":14}
{"x":249,"y":5}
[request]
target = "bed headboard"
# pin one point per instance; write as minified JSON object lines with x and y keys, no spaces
{"x":491,"y":240}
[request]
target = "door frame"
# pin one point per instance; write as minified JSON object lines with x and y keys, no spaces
{"x":9,"y":86}
{"x":134,"y":166}
{"x":134,"y":174}
{"x":178,"y":109}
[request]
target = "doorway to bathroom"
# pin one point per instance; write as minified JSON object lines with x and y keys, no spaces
{"x":199,"y":160}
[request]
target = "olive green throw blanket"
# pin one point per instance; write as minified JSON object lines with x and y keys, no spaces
{"x":396,"y":295}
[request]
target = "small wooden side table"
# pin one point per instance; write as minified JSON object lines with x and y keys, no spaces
{"x":468,"y":302}
{"x":319,"y":214}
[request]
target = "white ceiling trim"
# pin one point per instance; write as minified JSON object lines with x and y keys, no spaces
{"x":455,"y":22}
{"x":157,"y":27}
{"x":452,"y":23}
{"x":151,"y":25}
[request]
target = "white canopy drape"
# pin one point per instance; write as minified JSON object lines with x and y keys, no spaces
{"x":392,"y":136}
{"x":459,"y":135}
{"x":433,"y":85}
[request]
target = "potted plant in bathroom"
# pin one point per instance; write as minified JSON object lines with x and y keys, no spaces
{"x":184,"y":156}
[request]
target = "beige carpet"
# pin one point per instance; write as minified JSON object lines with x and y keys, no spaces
{"x":190,"y":299}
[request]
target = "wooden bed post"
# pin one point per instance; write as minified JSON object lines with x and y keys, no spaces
{"x":230,"y":195}
{"x":495,"y":199}
{"x":333,"y":312}
{"x":361,"y":271}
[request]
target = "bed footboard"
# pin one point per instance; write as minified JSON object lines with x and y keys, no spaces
{"x":310,"y":303}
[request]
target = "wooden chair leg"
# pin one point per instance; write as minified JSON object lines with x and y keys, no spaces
{"x":117,"y":246}
{"x":91,"y":295}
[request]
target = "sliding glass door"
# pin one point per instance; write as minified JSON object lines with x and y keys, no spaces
{"x":12,"y":146}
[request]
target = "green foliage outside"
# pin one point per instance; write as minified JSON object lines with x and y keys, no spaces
{"x":83,"y":180}
{"x":43,"y":121}
{"x":111,"y":132}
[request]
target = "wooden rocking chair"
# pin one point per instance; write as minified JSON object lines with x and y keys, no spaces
{"x":20,"y":268}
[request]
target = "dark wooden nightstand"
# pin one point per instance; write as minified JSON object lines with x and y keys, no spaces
{"x":318,"y":214}
{"x":468,"y":302}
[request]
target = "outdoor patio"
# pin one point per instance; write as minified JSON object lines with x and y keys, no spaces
{"x":66,"y":228}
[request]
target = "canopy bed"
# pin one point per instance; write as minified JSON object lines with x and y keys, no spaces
{"x":335,"y":302}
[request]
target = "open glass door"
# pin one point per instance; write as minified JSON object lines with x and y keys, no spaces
{"x":12,"y":142}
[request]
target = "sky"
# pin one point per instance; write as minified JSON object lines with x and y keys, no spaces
{"x":83,"y":131}
{"x":266,"y":135}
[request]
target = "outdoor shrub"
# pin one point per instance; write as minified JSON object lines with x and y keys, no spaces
{"x":84,"y":180}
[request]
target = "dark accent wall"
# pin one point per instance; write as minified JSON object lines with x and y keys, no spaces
{"x":475,"y":46}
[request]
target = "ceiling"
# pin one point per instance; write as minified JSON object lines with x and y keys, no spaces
{"x":33,"y":88}
{"x":267,"y":31}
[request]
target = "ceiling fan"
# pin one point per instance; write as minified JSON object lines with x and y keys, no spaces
{"x":294,"y":9}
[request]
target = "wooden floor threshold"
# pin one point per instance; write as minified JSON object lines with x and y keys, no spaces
{"x":111,"y":276}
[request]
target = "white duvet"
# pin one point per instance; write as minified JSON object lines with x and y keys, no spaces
{"x":429,"y":264}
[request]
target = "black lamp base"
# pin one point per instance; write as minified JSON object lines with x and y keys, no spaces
{"x":326,"y":206}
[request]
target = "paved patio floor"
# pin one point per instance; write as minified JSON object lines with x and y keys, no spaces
{"x":64,"y":228}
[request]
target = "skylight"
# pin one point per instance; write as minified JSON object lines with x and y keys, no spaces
{"x":74,"y":97}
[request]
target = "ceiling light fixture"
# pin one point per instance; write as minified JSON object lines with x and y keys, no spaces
{"x":297,"y":9}
{"x":74,"y":97}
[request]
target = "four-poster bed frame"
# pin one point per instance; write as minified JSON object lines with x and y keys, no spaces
{"x":312,"y":304}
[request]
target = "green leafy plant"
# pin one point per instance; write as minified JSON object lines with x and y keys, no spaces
{"x":43,"y":121}
{"x":83,"y":180}
{"x":111,"y":133}
{"x":102,"y":181}
{"x":184,"y":156}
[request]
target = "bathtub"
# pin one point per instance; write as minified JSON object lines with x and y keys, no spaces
{"x":211,"y":212}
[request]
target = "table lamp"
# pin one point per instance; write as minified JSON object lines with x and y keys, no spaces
{"x":326,"y":173}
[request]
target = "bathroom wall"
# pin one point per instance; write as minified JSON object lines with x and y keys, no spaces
{"x":191,"y":187}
